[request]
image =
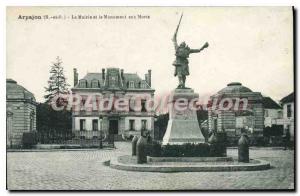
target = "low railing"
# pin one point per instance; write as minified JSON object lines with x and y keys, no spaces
{"x":76,"y":137}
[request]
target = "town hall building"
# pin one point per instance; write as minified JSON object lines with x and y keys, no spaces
{"x":112,"y":83}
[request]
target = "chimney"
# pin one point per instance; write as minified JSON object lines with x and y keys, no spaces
{"x":149,"y":77}
{"x":122,"y":74}
{"x":103,"y":74}
{"x":75,"y":76}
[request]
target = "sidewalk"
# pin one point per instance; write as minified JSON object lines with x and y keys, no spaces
{"x":56,"y":150}
{"x":260,"y":147}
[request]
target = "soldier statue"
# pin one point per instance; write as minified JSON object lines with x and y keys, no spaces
{"x":182,"y":54}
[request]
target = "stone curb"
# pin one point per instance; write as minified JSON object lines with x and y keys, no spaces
{"x":188,"y":159}
{"x":262,"y":165}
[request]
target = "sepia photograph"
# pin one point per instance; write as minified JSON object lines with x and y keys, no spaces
{"x":150,"y":98}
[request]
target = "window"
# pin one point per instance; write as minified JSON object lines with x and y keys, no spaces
{"x":244,"y":122}
{"x":31,"y":121}
{"x":240,"y":122}
{"x":95,"y":84}
{"x":131,"y":105}
{"x":131,"y":125}
{"x":143,"y":84}
{"x":266,"y":113}
{"x":82,"y":83}
{"x":289,"y":110}
{"x":143,"y":103}
{"x":95,"y":125}
{"x":9,"y":125}
{"x":131,"y":84}
{"x":279,"y":114}
{"x":144,"y":124}
{"x":215,"y":124}
{"x":82,"y":124}
{"x":113,"y":81}
{"x":82,"y":104}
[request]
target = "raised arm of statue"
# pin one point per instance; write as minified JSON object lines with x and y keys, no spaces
{"x":175,"y":41}
{"x":199,"y":50}
{"x":195,"y":50}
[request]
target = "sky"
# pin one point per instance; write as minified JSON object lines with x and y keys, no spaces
{"x":251,"y":45}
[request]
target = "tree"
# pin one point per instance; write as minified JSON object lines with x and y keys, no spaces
{"x":57,"y":83}
{"x":52,"y":124}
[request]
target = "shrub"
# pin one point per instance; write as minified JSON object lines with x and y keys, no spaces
{"x":28,"y":140}
{"x":186,"y":150}
{"x":218,"y":150}
{"x":153,"y":149}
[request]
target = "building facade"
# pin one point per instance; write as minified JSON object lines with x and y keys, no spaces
{"x":104,"y":90}
{"x":273,"y":114}
{"x":235,"y":108}
{"x":288,"y":104}
{"x":20,"y":113}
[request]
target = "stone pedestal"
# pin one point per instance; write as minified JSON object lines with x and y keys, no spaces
{"x":183,"y":126}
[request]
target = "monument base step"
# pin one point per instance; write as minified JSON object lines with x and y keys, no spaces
{"x":129,"y":163}
{"x":189,"y":159}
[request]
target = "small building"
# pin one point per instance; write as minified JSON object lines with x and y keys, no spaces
{"x":272,"y":112}
{"x":288,"y":104}
{"x":235,"y":108}
{"x":20,"y":113}
{"x":112,"y":82}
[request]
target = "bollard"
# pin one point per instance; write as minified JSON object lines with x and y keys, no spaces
{"x":133,"y":143}
{"x":213,"y":145}
{"x":141,"y":155}
{"x":243,"y":149}
{"x":212,"y":139}
{"x":222,"y":146}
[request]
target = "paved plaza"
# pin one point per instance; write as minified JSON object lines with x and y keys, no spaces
{"x":84,"y":170}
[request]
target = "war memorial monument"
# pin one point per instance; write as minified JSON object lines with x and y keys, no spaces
{"x":182,"y":118}
{"x":183,"y":148}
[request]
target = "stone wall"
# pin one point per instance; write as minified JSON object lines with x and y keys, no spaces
{"x":21,"y":118}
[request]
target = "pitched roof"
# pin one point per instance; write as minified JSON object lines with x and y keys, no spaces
{"x":269,"y":103}
{"x":288,"y":99}
{"x":89,"y":77}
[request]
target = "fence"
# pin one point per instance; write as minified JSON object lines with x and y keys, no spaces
{"x":81,"y":138}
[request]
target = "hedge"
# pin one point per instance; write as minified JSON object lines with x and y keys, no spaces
{"x":185,"y":150}
{"x":28,"y":140}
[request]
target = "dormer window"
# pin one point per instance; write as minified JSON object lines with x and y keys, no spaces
{"x":82,"y":83}
{"x":95,"y":84}
{"x":143,"y":85}
{"x":131,"y":84}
